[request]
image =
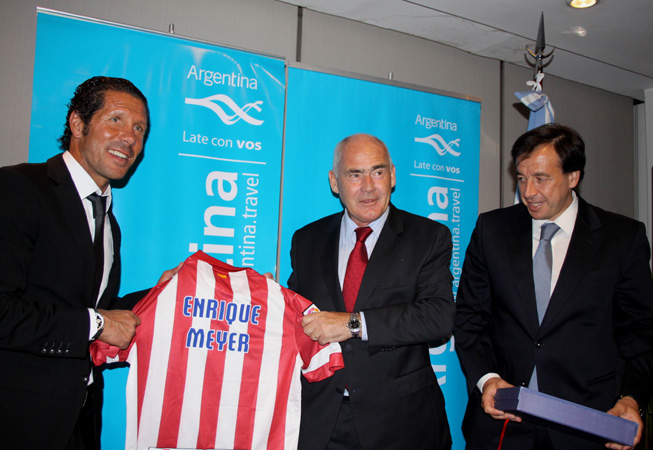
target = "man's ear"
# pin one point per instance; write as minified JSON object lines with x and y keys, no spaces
{"x":574,"y":178}
{"x":76,"y":124}
{"x":333,"y":181}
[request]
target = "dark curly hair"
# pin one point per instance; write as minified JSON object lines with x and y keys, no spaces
{"x":89,"y":98}
{"x":566,"y":141}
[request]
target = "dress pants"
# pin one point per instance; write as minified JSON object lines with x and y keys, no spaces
{"x":86,"y":435}
{"x":519,"y":436}
{"x":344,"y":436}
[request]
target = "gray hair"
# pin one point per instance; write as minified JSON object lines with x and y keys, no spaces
{"x":342,"y":145}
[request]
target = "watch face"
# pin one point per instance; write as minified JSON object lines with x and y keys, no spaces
{"x":354,"y":324}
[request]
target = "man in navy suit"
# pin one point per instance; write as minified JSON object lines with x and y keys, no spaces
{"x":54,"y":297}
{"x":592,"y":344}
{"x":387,"y":396}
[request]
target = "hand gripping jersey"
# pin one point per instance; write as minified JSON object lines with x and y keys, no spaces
{"x":216,"y":361}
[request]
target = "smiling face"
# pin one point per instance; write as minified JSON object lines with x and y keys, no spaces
{"x":544,"y":188}
{"x":364,"y":181}
{"x":109,"y":144}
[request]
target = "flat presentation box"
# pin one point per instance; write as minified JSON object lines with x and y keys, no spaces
{"x":527,"y":402}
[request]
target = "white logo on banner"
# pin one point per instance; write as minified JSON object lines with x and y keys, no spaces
{"x":214,"y":104}
{"x":441,"y":368}
{"x":441,"y":146}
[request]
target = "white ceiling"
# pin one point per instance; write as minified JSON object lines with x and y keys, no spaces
{"x":609,"y":46}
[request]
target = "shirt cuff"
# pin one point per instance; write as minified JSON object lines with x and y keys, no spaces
{"x":484,"y":378}
{"x":92,"y":329}
{"x":363,"y":327}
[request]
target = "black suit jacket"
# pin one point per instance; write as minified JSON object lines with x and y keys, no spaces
{"x":47,"y":270}
{"x":596,"y":333}
{"x":407,"y":299}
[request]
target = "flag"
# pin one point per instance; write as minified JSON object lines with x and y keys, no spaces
{"x":541,"y":109}
{"x":538,"y":102}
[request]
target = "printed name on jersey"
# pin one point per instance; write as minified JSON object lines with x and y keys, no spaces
{"x":220,"y":311}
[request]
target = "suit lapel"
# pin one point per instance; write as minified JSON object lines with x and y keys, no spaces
{"x":581,"y":252}
{"x":519,"y":239}
{"x":75,"y":217}
{"x":328,"y":254}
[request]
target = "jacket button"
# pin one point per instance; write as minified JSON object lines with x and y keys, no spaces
{"x":539,"y":345}
{"x":523,"y":384}
{"x":348,"y":347}
{"x":85,"y":380}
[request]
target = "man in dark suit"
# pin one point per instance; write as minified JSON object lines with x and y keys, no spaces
{"x":387,"y":396}
{"x":54,"y":297}
{"x":592,"y":343}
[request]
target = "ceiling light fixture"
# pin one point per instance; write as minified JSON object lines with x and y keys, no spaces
{"x":581,"y":3}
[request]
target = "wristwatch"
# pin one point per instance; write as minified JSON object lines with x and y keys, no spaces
{"x":99,"y":321}
{"x":354,"y":324}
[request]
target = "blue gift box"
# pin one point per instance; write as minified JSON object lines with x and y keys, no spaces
{"x":528,"y":403}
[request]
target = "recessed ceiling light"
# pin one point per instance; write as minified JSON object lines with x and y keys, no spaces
{"x":581,"y":3}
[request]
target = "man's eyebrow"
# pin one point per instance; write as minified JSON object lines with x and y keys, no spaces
{"x":373,"y":168}
{"x":535,"y":175}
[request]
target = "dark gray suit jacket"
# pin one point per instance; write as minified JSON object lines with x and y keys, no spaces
{"x":598,"y":329}
{"x":407,"y":299}
{"x":47,"y":270}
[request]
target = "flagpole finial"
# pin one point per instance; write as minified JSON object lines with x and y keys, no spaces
{"x":538,"y":52}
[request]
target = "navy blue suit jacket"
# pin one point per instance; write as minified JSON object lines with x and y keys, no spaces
{"x":596,"y":335}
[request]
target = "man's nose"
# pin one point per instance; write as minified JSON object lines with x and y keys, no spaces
{"x":528,"y":188}
{"x":367,"y":184}
{"x":128,"y":135}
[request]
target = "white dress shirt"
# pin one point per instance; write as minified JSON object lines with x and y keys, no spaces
{"x":86,"y":186}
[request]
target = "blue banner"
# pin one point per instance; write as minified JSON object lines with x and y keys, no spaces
{"x":434,"y":142}
{"x":209,"y":178}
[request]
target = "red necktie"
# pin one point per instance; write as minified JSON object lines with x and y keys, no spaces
{"x":355,"y":268}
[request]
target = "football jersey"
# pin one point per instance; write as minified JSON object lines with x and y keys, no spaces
{"x":216,"y":361}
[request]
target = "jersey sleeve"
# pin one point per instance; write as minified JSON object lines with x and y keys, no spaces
{"x":320,"y":361}
{"x":103,"y":353}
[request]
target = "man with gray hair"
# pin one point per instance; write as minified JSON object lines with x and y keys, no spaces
{"x":380,"y":277}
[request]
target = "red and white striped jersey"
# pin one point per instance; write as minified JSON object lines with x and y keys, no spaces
{"x":216,"y":361}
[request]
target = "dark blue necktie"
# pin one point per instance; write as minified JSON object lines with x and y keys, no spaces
{"x":99,"y":213}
